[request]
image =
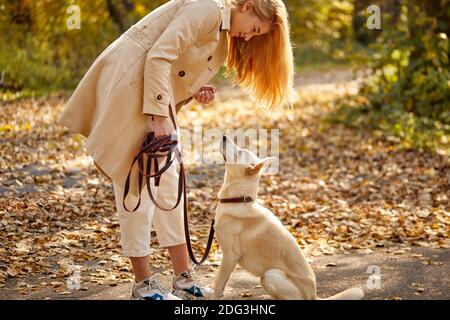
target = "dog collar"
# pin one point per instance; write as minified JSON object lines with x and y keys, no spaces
{"x":236,"y":199}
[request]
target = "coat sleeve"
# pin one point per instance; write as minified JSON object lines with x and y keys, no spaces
{"x":192,"y":21}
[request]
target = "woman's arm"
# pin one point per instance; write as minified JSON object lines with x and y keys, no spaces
{"x":193,"y":21}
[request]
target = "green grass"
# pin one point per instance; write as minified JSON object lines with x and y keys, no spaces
{"x":404,"y":129}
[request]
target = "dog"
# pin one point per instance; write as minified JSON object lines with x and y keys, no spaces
{"x":251,"y":235}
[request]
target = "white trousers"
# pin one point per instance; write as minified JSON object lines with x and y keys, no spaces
{"x":135,"y":227}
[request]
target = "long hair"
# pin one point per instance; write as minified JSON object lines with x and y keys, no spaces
{"x":264,"y":65}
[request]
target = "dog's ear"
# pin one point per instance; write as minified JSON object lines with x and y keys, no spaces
{"x":259,"y":167}
{"x":254,"y":169}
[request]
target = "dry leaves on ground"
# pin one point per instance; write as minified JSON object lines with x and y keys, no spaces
{"x":337,"y":190}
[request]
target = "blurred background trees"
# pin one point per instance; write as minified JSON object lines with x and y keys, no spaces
{"x":40,"y":52}
{"x":408,"y":57}
{"x":408,"y":94}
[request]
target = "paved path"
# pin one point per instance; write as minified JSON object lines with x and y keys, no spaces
{"x":417,"y":274}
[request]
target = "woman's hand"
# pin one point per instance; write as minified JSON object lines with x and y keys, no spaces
{"x":162,"y":126}
{"x":206,"y":94}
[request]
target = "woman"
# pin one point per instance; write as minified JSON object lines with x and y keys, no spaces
{"x":139,"y":83}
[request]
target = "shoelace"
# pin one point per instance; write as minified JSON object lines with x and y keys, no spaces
{"x":196,"y":278}
{"x":192,"y":274}
{"x":153,"y":284}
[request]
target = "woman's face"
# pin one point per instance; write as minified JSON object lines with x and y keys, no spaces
{"x":245,"y":23}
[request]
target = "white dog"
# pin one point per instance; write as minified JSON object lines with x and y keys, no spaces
{"x":251,"y":235}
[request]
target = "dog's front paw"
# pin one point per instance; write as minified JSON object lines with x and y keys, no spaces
{"x":216,"y":295}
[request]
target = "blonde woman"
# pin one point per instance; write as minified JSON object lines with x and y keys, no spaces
{"x":139,"y":83}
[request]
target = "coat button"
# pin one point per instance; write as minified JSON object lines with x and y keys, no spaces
{"x":181,"y":73}
{"x":159,"y":97}
{"x":209,"y":58}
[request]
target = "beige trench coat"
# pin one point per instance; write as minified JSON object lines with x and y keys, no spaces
{"x":154,"y":68}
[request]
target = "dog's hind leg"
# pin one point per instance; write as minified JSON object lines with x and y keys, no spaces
{"x":279,"y":286}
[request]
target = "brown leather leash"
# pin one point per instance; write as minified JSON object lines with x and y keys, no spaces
{"x":154,"y":148}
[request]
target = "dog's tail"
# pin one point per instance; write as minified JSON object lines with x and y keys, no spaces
{"x":349,"y":294}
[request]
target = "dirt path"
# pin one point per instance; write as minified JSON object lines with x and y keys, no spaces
{"x":417,"y":274}
{"x":350,"y":200}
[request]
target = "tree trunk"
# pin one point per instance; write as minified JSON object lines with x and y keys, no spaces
{"x":413,"y":11}
{"x":394,"y":7}
{"x":438,"y":10}
{"x":21,"y":13}
{"x":116,"y":15}
{"x":128,"y":5}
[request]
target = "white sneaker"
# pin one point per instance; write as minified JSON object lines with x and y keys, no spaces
{"x":187,"y":287}
{"x":151,"y":289}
